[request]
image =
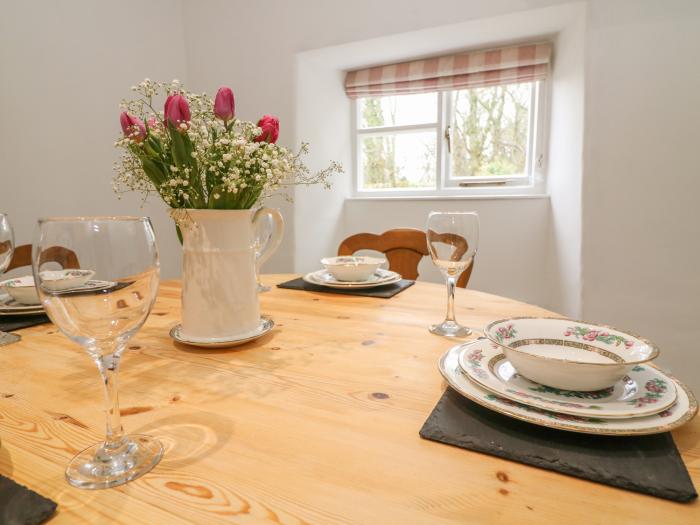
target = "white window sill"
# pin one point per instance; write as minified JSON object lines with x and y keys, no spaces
{"x":447,"y":197}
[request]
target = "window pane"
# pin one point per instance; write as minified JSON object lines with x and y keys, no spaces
{"x":399,"y":160}
{"x":401,"y":110}
{"x":490,"y":130}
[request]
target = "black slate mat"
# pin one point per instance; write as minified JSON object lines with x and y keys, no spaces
{"x":384,"y":292}
{"x":22,"y":506}
{"x":646,"y":464}
{"x":11,"y":323}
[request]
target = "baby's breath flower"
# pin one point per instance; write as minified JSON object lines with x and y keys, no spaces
{"x":216,"y":155}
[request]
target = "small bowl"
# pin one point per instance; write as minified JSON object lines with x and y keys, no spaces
{"x":352,"y":268}
{"x":60,"y":280}
{"x":570,"y":355}
{"x":22,"y":290}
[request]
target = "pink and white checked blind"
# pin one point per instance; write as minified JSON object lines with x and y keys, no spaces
{"x":520,"y":63}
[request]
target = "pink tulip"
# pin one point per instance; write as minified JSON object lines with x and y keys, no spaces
{"x":270,"y":129}
{"x":132,"y":127}
{"x":177,"y":110}
{"x":224,"y":104}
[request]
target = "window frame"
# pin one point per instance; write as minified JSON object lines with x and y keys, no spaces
{"x":531,"y":183}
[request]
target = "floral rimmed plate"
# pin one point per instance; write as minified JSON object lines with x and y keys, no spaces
{"x":680,"y":413}
{"x":8,"y":306}
{"x":380,"y":278}
{"x":644,"y":391}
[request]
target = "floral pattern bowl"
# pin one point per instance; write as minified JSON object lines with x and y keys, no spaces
{"x":22,"y":290}
{"x":567,"y":354}
{"x":352,"y":268}
{"x":62,"y":280}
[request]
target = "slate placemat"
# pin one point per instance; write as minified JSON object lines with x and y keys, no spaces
{"x":22,"y":506}
{"x":384,"y":292}
{"x":646,"y":464}
{"x":9,"y":323}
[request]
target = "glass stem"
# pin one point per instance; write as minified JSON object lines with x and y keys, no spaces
{"x":451,"y":283}
{"x":108,"y":365}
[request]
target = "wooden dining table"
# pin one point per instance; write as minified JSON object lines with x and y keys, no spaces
{"x":316,"y":422}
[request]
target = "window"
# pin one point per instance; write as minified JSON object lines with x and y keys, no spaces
{"x":462,"y":141}
{"x":465,"y":123}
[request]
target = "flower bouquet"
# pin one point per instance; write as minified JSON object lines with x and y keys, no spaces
{"x":196,"y":154}
{"x":211,"y":169}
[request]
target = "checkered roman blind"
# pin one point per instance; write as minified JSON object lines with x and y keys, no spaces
{"x":519,"y":63}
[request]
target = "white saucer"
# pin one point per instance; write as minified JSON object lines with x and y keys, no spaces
{"x":645,"y":390}
{"x":266,"y":324}
{"x":380,"y":278}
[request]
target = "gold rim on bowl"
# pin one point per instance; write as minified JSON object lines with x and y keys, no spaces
{"x":655,"y":351}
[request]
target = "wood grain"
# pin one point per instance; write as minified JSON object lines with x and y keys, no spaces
{"x":315,"y":423}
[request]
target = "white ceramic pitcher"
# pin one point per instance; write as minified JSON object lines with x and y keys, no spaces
{"x":219,"y":289}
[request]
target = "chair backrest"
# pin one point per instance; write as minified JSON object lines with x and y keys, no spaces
{"x":403,"y":247}
{"x":66,"y":258}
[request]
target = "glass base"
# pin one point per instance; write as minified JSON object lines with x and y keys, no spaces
{"x":93,"y":468}
{"x":262,"y":288}
{"x":450,"y":329}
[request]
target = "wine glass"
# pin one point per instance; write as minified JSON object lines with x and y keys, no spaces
{"x":101,"y":315}
{"x":7,"y":243}
{"x":453,"y":238}
{"x":7,"y":249}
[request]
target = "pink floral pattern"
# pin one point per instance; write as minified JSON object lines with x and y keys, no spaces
{"x":505,"y":332}
{"x":560,"y":403}
{"x":595,"y":394}
{"x":655,"y":389}
{"x":474,"y":359}
{"x":588,"y":334}
{"x":552,"y":415}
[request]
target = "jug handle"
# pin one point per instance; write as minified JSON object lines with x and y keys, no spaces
{"x":276,"y":235}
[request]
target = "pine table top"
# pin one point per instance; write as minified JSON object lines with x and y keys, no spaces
{"x":317,"y":422}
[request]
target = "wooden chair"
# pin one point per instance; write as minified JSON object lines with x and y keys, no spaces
{"x":404,"y":248}
{"x":58,"y":254}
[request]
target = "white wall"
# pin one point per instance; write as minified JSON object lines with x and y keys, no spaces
{"x":65,"y":66}
{"x":565,"y":170}
{"x":512,"y":245}
{"x":641,"y":219}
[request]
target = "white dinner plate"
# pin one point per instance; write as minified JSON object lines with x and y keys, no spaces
{"x":380,"y":278}
{"x":644,"y":391}
{"x":8,"y":306}
{"x":680,"y":413}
